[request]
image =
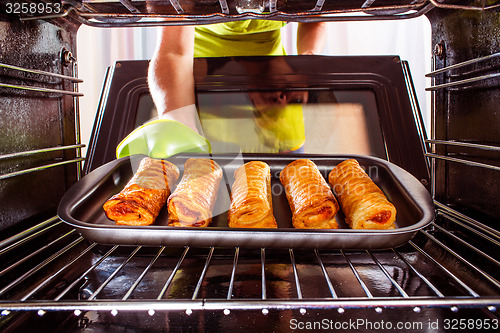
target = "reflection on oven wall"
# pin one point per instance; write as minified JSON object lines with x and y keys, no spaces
{"x":410,"y":39}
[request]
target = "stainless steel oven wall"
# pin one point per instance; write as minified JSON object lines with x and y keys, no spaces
{"x":466,"y":109}
{"x":37,"y":117}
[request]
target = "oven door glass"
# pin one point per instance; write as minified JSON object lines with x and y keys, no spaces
{"x":292,"y":121}
{"x":296,"y":121}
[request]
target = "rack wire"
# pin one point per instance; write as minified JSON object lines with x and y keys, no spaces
{"x":40,"y":89}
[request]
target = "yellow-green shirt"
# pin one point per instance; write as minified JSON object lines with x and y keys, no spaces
{"x":239,"y":38}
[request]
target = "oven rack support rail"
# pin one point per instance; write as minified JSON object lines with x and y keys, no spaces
{"x":446,"y":234}
{"x":125,"y":13}
{"x":470,"y":74}
{"x":74,"y":80}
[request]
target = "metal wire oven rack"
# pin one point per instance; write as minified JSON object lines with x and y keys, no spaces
{"x":453,"y":264}
{"x":129,"y":13}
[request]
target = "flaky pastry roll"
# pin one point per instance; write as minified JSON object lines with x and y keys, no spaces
{"x":364,"y":204}
{"x":251,"y":199}
{"x":312,"y":202}
{"x":140,"y":202}
{"x":192,"y":202}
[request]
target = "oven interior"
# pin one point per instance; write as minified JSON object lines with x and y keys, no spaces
{"x":53,"y":278}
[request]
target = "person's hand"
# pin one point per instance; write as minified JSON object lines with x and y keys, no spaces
{"x":162,"y":138}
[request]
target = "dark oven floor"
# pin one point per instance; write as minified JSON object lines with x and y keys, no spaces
{"x":53,"y":277}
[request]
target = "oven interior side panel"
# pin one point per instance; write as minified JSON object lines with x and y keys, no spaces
{"x":468,"y":112}
{"x":32,"y":120}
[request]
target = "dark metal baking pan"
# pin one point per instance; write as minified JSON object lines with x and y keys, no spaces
{"x":81,"y":207}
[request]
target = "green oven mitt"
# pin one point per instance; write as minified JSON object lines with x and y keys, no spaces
{"x":162,"y":138}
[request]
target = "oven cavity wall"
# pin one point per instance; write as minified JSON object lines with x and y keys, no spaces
{"x":466,"y":97}
{"x":39,"y":156}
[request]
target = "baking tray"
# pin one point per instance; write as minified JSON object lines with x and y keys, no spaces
{"x":81,"y":207}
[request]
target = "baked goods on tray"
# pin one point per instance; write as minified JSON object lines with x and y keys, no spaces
{"x":364,"y":204}
{"x":144,"y":195}
{"x":251,"y":198}
{"x":311,"y":201}
{"x":192,"y":202}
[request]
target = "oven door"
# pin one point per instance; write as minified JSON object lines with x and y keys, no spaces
{"x":287,"y":104}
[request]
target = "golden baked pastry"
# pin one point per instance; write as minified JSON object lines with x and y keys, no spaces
{"x":192,"y":202}
{"x":144,"y":195}
{"x":364,"y":204}
{"x":312,"y":202}
{"x":251,"y":199}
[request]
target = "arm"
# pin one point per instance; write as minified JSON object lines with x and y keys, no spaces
{"x":311,"y":37}
{"x":170,"y":75}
